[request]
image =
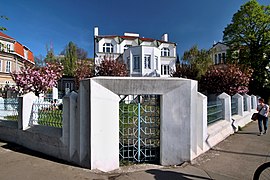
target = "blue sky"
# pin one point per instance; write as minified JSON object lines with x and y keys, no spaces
{"x":37,"y":23}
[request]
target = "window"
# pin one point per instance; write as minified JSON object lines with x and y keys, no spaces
{"x":219,"y":58}
{"x":25,"y":54}
{"x":156,"y":62}
{"x":128,"y":63}
{"x":165,"y":69}
{"x":165,"y":52}
{"x":224,"y":58}
{"x":2,"y":46}
{"x":8,"y":67}
{"x":8,"y":47}
{"x":107,"y":48}
{"x":216,"y":61}
{"x":127,"y":46}
{"x":147,"y":61}
{"x":136,"y":63}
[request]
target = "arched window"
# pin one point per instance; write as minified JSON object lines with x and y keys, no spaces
{"x":165,"y":52}
{"x":108,"y":48}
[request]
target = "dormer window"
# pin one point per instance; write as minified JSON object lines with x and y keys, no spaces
{"x":108,"y":48}
{"x":8,"y":47}
{"x":165,"y":52}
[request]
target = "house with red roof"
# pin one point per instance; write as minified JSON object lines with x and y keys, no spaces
{"x":13,"y":55}
{"x":144,"y":57}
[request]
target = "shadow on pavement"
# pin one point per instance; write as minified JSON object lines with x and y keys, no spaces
{"x":246,"y":132}
{"x":23,"y":150}
{"x":164,"y":175}
{"x":240,"y":153}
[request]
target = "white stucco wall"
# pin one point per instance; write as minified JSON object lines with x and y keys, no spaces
{"x":179,"y":112}
{"x":104,"y":136}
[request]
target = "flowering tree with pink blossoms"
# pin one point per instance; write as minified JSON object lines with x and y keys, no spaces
{"x":228,"y":78}
{"x":37,"y":79}
{"x":110,"y":67}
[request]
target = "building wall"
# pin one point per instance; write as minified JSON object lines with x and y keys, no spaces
{"x":15,"y":64}
{"x":219,"y":53}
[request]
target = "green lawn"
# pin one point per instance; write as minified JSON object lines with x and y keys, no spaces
{"x":12,"y":118}
{"x":50,"y":118}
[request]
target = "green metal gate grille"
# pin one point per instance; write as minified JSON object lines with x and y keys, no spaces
{"x":139,"y":128}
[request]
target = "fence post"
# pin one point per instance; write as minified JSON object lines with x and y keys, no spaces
{"x":240,"y":104}
{"x":25,"y":108}
{"x":55,"y":93}
{"x":226,"y":103}
{"x":71,"y":126}
{"x":248,"y":101}
{"x":254,"y":102}
{"x":201,"y":120}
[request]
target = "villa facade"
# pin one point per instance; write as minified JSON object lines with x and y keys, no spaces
{"x":144,"y":57}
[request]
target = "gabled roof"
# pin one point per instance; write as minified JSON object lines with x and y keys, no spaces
{"x":219,"y":43}
{"x":5,"y":36}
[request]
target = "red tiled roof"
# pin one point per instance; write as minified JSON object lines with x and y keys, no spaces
{"x":5,"y":36}
{"x":134,"y":37}
{"x":128,"y":37}
{"x":18,"y":48}
{"x":30,"y":56}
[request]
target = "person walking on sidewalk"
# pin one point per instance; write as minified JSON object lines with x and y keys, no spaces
{"x":263,"y":110}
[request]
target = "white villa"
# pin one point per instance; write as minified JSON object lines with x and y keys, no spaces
{"x":143,"y":56}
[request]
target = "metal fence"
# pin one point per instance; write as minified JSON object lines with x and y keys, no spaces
{"x":9,"y":109}
{"x":234,"y":106}
{"x":245,"y":104}
{"x":214,"y":111}
{"x":139,"y":129}
{"x":46,"y":113}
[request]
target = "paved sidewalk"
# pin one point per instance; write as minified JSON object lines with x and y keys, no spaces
{"x":235,"y":158}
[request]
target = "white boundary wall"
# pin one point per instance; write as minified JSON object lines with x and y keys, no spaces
{"x":90,"y":133}
{"x":220,"y":130}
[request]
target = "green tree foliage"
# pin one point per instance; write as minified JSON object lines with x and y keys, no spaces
{"x":50,"y":57}
{"x":70,"y":59}
{"x":248,"y":36}
{"x":1,"y":27}
{"x":228,"y":78}
{"x":199,"y":60}
{"x":186,"y":71}
{"x":110,"y":67}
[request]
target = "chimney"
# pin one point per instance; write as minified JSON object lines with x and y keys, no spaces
{"x":96,"y":31}
{"x":165,"y":37}
{"x":132,"y":34}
